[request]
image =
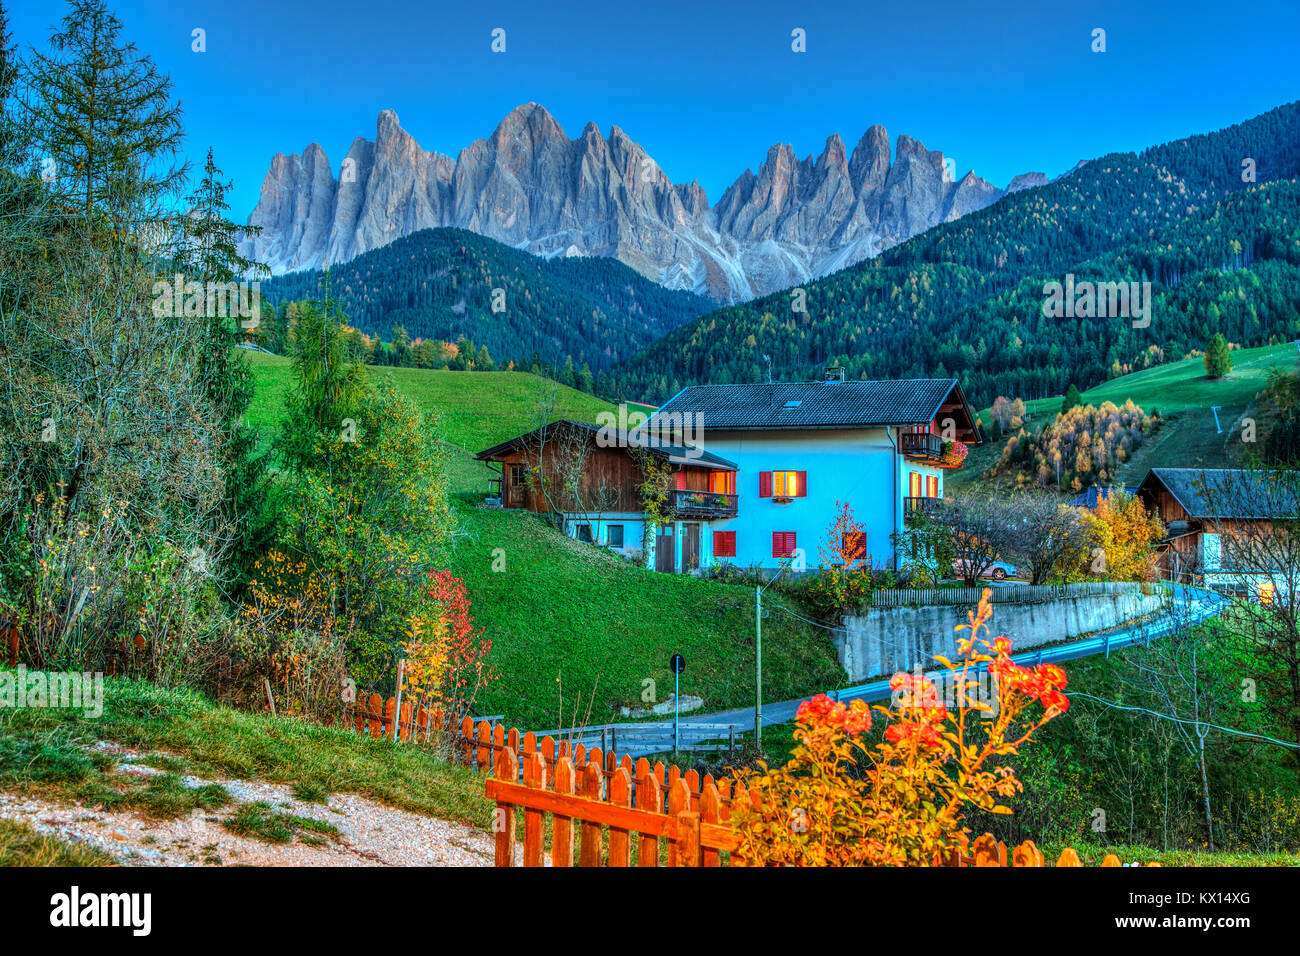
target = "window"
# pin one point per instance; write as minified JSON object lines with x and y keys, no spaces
{"x":1266,"y":592}
{"x":854,"y":546}
{"x":914,"y":484}
{"x":724,"y":544}
{"x":932,"y":486}
{"x":722,"y":482}
{"x":782,"y":544}
{"x":516,"y":475}
{"x":584,"y":533}
{"x":782,"y":484}
{"x":614,"y":536}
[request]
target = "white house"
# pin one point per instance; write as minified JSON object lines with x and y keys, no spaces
{"x":757,"y":470}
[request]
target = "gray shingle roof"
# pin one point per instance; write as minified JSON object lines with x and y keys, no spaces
{"x":677,"y":454}
{"x":813,"y":404}
{"x":1230,"y":492}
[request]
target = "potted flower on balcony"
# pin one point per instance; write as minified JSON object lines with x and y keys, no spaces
{"x":952,"y":454}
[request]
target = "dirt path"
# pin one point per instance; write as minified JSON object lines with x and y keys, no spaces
{"x":369,"y":833}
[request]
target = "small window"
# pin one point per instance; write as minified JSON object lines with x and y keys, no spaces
{"x":614,"y":536}
{"x":783,"y":544}
{"x":914,"y":484}
{"x":516,"y":475}
{"x":584,"y":533}
{"x":724,"y":544}
{"x":1266,"y":592}
{"x":794,"y":403}
{"x":722,"y":482}
{"x":932,"y":486}
{"x":789,"y":484}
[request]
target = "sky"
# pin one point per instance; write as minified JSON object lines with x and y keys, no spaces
{"x":706,"y":87}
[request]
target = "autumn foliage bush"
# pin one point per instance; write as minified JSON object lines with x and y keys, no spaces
{"x":841,"y":802}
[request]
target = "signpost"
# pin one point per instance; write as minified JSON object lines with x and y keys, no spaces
{"x":677,"y":664}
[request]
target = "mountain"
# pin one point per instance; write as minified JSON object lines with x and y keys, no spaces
{"x":530,"y":186}
{"x":439,"y":284}
{"x":966,"y":298}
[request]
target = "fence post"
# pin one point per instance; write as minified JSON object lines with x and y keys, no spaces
{"x":688,"y":838}
{"x":534,"y":819}
{"x":589,"y":850}
{"x":562,"y":830}
{"x":504,"y":819}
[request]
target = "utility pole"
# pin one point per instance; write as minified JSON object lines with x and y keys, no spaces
{"x":758,"y":651}
{"x":758,"y":666}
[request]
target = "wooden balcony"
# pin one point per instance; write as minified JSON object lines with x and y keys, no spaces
{"x":704,"y":504}
{"x":932,"y":450}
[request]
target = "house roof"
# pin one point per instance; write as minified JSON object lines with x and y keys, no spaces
{"x":1228,"y":492}
{"x":792,"y":405}
{"x":617,"y":438}
{"x":1097,"y":493}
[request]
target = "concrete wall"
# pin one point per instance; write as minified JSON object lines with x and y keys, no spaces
{"x":891,"y":639}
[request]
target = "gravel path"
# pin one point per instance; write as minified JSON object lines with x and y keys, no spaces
{"x":370,"y":833}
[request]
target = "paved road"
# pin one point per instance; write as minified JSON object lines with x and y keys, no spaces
{"x":1188,"y":605}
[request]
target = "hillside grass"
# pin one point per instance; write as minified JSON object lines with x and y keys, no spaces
{"x":1183,"y":395}
{"x":566,"y":617}
{"x":49,"y":751}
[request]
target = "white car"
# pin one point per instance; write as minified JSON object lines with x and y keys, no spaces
{"x":998,"y":570}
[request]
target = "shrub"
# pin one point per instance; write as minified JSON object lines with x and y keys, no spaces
{"x":838,"y":802}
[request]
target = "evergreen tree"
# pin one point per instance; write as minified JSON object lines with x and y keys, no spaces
{"x":1072,"y":399}
{"x":1218,"y":360}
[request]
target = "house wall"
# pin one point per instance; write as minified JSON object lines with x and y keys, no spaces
{"x":633,"y":523}
{"x":608,"y":474}
{"x":859,"y":467}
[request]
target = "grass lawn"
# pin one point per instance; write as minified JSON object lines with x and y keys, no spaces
{"x":20,"y":845}
{"x":564,"y":609}
{"x":50,"y":751}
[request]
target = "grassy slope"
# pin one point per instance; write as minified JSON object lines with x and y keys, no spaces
{"x":567,"y":609}
{"x":1182,"y":393}
{"x":48,"y":750}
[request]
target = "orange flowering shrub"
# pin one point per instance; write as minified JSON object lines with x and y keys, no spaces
{"x":840,"y":802}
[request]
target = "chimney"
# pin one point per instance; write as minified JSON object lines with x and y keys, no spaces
{"x":834,"y":373}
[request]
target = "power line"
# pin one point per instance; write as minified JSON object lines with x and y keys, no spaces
{"x":1183,"y":720}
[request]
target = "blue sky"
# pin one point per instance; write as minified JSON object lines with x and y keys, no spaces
{"x":1002,"y":87}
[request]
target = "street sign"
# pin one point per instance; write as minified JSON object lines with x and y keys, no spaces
{"x":678,"y":664}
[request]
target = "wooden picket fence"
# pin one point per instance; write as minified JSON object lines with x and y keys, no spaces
{"x":610,"y":814}
{"x":619,"y":811}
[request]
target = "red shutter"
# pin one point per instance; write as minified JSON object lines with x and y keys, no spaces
{"x":932,"y":486}
{"x":802,"y":478}
{"x":854,"y":545}
{"x":679,"y":481}
{"x":765,"y":484}
{"x":724,"y":544}
{"x":782,"y":544}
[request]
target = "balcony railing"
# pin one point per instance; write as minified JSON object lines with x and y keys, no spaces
{"x":932,"y":449}
{"x":922,"y":505}
{"x":704,"y":504}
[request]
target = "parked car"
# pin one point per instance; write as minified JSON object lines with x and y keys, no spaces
{"x":998,"y":570}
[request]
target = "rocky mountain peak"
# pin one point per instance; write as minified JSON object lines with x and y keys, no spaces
{"x":529,"y":185}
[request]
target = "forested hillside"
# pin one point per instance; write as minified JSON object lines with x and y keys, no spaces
{"x":438,"y":284}
{"x":965,"y":298}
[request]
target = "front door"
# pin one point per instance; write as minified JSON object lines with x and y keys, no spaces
{"x":515,"y":486}
{"x":690,"y":547}
{"x":665,"y":557}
